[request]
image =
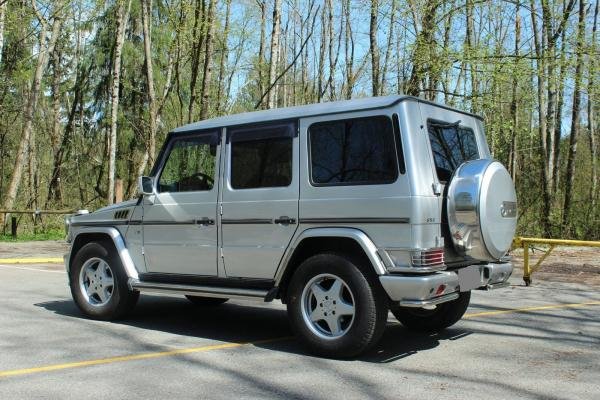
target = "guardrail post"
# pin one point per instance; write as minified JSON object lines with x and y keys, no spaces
{"x":13,"y":227}
{"x":526,"y":269}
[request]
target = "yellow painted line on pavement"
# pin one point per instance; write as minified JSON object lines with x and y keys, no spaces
{"x":133,"y":357}
{"x":529,"y":309}
{"x":32,"y":260}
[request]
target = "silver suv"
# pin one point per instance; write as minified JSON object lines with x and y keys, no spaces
{"x":341,"y":210}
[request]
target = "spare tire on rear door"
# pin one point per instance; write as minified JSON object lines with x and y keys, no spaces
{"x":482,"y":210}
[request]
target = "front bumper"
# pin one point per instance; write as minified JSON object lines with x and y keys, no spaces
{"x":443,"y":286}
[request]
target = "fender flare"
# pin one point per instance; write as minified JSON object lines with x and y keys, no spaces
{"x":119,"y":243}
{"x":357,"y":235}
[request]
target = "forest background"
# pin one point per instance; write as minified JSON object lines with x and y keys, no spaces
{"x":89,"y":89}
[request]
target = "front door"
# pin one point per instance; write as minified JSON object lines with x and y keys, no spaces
{"x":260,"y":198}
{"x":179,"y":222}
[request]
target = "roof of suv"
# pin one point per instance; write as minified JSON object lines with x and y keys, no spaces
{"x":309,"y":110}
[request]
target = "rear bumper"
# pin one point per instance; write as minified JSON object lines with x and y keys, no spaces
{"x":443,"y":286}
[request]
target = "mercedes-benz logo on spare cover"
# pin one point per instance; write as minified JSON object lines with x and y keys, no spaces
{"x":508,"y":209}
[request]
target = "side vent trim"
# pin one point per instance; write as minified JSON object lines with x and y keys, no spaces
{"x":121,"y":214}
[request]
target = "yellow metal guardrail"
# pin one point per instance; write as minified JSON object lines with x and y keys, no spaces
{"x":525,"y":243}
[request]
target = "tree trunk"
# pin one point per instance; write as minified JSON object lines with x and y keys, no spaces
{"x":30,"y":107}
{"x":54,"y":192}
{"x":197,"y":44}
{"x":274,"y":53}
{"x":540,"y":43}
{"x":148,"y":157}
{"x":261,"y":46}
{"x":374,"y":49}
{"x":424,"y":46}
{"x":2,"y":18}
{"x":223,"y":58}
{"x":321,"y":60}
{"x":591,"y":127}
{"x":514,"y":110}
{"x":574,"y":118}
{"x":207,"y":72}
{"x":122,"y":18}
{"x":348,"y":51}
{"x":388,"y":48}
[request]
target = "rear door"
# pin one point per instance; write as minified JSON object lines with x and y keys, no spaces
{"x":453,"y":139}
{"x":259,"y":197}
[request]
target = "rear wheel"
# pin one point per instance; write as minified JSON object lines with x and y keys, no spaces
{"x":335,"y":309}
{"x":206,"y":301}
{"x":443,"y":316}
{"x":99,"y":283}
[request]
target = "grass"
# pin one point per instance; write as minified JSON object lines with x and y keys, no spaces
{"x":50,"y":234}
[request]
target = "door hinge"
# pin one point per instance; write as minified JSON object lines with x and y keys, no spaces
{"x":143,"y":250}
{"x":221,"y":209}
{"x":221,"y":250}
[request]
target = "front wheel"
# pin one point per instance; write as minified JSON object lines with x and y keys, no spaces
{"x":442,"y":317}
{"x":99,"y":283}
{"x":335,"y":308}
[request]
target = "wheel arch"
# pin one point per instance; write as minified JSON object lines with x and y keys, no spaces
{"x":106,"y":234}
{"x":317,"y":240}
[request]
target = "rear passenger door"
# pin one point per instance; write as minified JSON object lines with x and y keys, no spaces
{"x":259,"y":198}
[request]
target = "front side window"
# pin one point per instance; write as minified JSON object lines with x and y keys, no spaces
{"x":190,"y":165}
{"x":353,"y":151}
{"x":452,"y":145}
{"x":262,"y":157}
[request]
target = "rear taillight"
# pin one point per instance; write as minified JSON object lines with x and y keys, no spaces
{"x":428,"y":257}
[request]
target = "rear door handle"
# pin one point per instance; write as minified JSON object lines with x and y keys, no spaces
{"x":284,"y":220}
{"x":205,"y":221}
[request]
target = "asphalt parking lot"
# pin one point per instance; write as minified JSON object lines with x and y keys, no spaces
{"x":541,"y":342}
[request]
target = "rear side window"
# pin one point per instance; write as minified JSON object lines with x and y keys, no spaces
{"x":262,"y":156}
{"x":452,"y":145}
{"x":353,"y":151}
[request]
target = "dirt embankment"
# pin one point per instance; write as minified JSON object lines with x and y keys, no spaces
{"x":38,"y":249}
{"x":564,"y":264}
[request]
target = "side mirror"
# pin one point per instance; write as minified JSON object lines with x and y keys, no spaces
{"x":146,"y":185}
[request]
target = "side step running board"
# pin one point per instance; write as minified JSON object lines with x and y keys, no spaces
{"x":196,"y":290}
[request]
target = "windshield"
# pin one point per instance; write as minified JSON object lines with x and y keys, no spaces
{"x":452,"y":145}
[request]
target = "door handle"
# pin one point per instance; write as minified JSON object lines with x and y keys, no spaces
{"x":284,"y":220}
{"x":205,"y":221}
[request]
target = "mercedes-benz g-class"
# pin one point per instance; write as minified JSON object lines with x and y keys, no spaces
{"x":341,"y":210}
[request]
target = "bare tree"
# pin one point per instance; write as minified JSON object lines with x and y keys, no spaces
{"x":274,"y":52}
{"x":148,"y":157}
{"x":374,"y":49}
{"x":208,"y":54}
{"x":122,"y":18}
{"x":574,"y":117}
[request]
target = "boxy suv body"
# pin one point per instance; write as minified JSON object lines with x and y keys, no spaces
{"x":342,"y":210}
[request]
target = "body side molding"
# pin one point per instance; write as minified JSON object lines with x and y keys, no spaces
{"x":357,"y":235}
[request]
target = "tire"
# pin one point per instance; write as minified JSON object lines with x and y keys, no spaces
{"x":94,"y":267}
{"x":442,"y":317}
{"x":355,"y":286}
{"x":206,"y":301}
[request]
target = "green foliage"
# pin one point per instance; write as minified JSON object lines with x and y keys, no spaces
{"x":477,"y":73}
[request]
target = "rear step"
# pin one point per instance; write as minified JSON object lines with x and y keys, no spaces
{"x":198,"y":290}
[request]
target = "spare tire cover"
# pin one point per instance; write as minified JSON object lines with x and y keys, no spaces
{"x":482,"y":209}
